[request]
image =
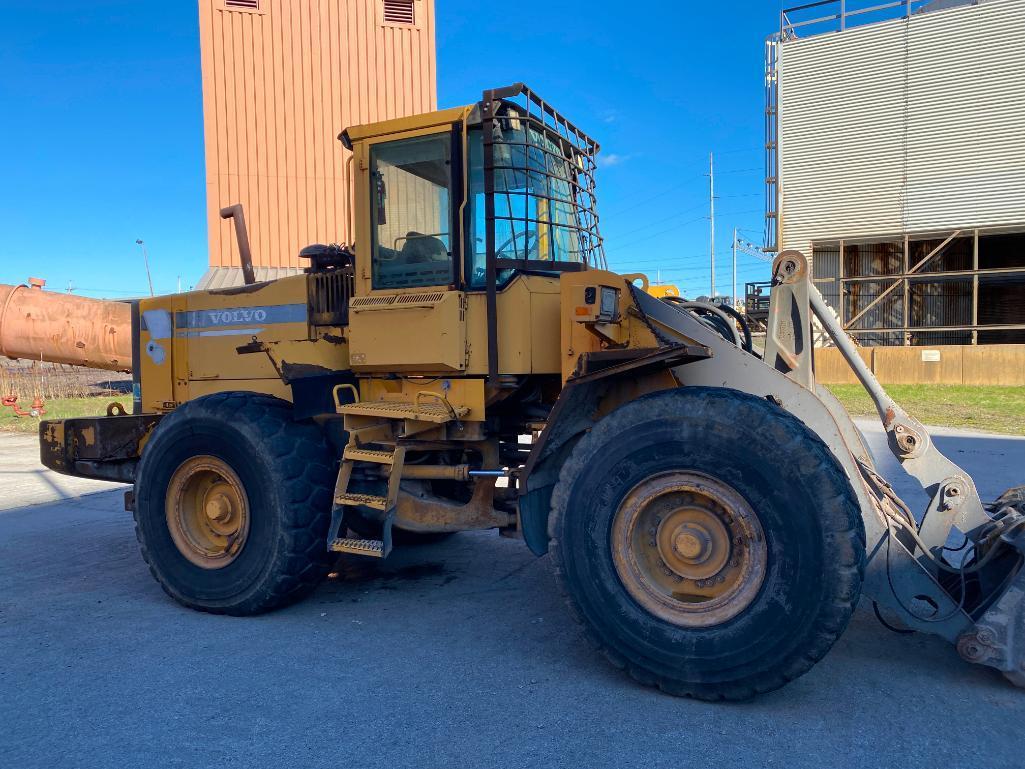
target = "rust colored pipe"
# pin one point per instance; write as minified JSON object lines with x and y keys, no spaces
{"x":59,"y":328}
{"x":245,"y":253}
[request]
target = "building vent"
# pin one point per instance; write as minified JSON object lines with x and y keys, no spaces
{"x":399,"y":12}
{"x":249,"y":5}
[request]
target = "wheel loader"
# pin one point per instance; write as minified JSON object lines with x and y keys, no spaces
{"x":712,"y":514}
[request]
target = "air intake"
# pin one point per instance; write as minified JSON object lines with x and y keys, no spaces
{"x":399,"y":12}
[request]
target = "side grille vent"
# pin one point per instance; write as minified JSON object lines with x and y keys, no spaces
{"x":418,"y":298}
{"x":372,"y":301}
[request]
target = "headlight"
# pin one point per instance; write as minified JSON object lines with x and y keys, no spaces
{"x":608,"y":309}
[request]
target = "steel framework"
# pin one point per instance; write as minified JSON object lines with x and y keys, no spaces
{"x":887,"y":303}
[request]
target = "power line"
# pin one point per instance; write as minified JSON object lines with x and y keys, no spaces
{"x":140,"y":292}
{"x":691,"y":270}
{"x":741,"y":171}
{"x":679,"y":213}
{"x":671,"y":218}
{"x":659,"y":193}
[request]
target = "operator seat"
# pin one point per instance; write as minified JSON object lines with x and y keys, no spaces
{"x":423,"y":248}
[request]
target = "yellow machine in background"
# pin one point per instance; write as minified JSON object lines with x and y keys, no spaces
{"x":706,"y":507}
{"x":662,"y":290}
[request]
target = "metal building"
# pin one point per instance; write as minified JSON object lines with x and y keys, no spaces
{"x":281,"y":80}
{"x":896,"y":155}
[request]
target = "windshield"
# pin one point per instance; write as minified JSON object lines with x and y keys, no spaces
{"x":536,"y":200}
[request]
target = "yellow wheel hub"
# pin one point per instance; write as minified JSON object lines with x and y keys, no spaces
{"x":689,"y":548}
{"x":693,"y":543}
{"x":207,"y":512}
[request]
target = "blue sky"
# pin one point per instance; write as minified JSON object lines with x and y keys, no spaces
{"x":101,"y":128}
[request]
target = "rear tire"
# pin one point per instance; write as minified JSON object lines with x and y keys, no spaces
{"x":721,"y":467}
{"x":233,"y":504}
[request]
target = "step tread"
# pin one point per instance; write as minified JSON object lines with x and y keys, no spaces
{"x":373,"y":547}
{"x":369,"y":455}
{"x":427,"y":411}
{"x":367,"y":500}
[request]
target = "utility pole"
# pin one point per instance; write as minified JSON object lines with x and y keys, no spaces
{"x":711,"y":218}
{"x":145,"y":259}
{"x":733,"y":296}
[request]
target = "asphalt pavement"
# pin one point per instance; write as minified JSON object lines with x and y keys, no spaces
{"x":459,"y":654}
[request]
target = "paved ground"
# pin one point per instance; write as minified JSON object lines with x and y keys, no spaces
{"x":455,"y":655}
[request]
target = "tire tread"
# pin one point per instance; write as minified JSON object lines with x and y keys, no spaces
{"x":301,"y":564}
{"x":840,"y":517}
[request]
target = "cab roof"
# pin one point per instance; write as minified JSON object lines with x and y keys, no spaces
{"x":398,"y":125}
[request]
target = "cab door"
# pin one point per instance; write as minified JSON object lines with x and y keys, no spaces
{"x":409,"y":311}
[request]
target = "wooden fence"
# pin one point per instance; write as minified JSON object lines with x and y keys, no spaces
{"x":992,"y":364}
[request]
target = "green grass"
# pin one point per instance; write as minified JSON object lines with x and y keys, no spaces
{"x":60,"y":408}
{"x":992,"y":409}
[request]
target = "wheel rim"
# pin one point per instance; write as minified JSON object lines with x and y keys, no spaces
{"x":207,"y":512}
{"x":689,"y":548}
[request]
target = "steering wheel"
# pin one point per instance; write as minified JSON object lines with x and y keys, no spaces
{"x":530,"y":241}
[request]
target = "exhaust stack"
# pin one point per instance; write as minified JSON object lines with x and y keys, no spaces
{"x":60,"y":328}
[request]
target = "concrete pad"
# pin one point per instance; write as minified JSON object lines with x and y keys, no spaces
{"x":24,"y":481}
{"x":995,"y":462}
{"x":453,"y":655}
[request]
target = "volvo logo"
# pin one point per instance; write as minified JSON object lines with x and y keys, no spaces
{"x":243,"y":315}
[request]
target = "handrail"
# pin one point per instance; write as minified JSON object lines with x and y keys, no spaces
{"x":841,"y":14}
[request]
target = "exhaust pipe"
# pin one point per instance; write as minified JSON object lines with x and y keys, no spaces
{"x":245,"y":253}
{"x":60,"y":328}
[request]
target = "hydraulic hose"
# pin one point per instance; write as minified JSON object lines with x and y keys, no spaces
{"x":742,"y":321}
{"x":711,"y":315}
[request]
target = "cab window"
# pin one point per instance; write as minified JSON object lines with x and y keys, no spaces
{"x":535,"y":205}
{"x":411,"y":194}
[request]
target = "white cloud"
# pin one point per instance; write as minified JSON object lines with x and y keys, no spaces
{"x":612,"y":159}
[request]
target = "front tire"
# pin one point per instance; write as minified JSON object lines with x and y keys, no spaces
{"x":233,"y":504}
{"x":708,"y":542}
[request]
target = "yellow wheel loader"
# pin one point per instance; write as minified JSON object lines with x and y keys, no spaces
{"x":712,"y":513}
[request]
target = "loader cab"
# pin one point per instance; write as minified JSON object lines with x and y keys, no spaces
{"x":453,"y":207}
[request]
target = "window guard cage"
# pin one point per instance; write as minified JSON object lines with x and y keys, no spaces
{"x":556,"y":155}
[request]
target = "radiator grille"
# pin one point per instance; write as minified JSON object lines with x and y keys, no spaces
{"x":329,"y":298}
